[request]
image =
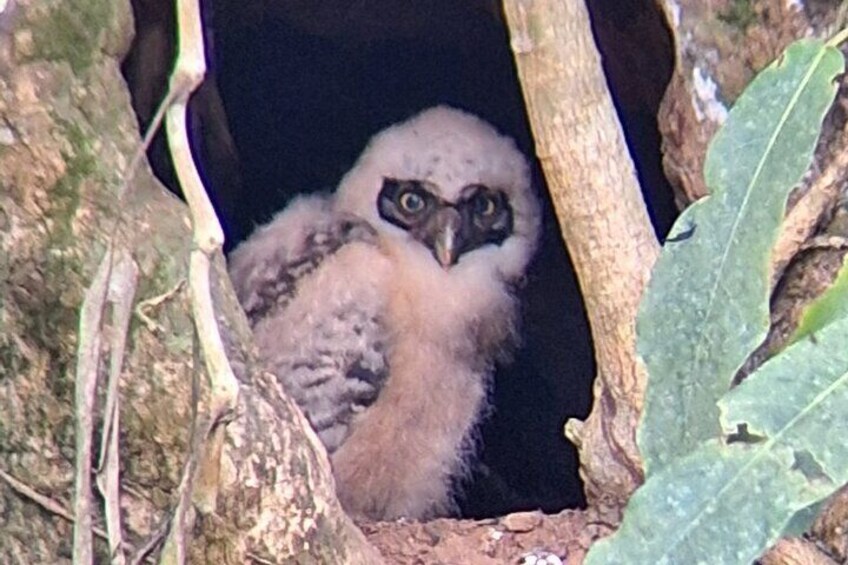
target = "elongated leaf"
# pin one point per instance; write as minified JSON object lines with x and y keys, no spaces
{"x":724,"y":504}
{"x":706,"y":306}
{"x":830,"y":306}
{"x":799,"y":400}
{"x":699,"y":510}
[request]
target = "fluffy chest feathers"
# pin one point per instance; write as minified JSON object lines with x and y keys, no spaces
{"x":382,"y":309}
{"x":460,"y":310}
{"x":443,"y":331}
{"x":387,"y":353}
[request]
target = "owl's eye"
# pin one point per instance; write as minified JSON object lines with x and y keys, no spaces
{"x":412,"y":202}
{"x":485,"y":205}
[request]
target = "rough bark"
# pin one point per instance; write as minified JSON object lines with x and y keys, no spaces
{"x":795,"y":551}
{"x":719,"y":47}
{"x":602,"y":217}
{"x":66,"y":137}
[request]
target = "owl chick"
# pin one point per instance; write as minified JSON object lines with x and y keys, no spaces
{"x":383,"y":307}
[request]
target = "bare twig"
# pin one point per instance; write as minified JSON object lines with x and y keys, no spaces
{"x":208,"y":241}
{"x":208,"y":238}
{"x":141,"y":151}
{"x":182,"y":519}
{"x":88,"y":366}
{"x":208,"y":235}
{"x":121,"y":292}
{"x":155,"y":539}
{"x":257,"y":559}
{"x":144,"y":306}
{"x":45,"y":502}
{"x":826,"y":241}
{"x":115,"y":281}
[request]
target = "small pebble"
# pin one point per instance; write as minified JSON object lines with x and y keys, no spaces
{"x":521,"y":521}
{"x":7,"y":137}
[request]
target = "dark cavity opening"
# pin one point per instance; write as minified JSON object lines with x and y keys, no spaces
{"x":295,"y":91}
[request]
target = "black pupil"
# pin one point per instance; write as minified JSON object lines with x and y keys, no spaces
{"x":411,"y":202}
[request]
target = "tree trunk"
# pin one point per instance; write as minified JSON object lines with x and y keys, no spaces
{"x":67,"y":134}
{"x":603,"y":220}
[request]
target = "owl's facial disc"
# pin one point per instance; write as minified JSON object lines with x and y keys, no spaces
{"x":480,"y":216}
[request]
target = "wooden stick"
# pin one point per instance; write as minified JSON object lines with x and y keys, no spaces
{"x":88,"y":366}
{"x":208,"y":241}
{"x":121,"y":293}
{"x":602,"y":216}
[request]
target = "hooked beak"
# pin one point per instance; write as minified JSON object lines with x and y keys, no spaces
{"x":446,"y":237}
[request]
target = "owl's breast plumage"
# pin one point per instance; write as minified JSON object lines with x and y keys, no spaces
{"x":383,"y":308}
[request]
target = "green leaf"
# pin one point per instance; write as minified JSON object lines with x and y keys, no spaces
{"x":830,"y":306}
{"x":713,"y":506}
{"x":706,"y":307}
{"x":724,"y":504}
{"x":799,"y":400}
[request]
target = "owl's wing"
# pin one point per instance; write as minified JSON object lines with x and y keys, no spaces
{"x":310,"y":283}
{"x":267,"y":268}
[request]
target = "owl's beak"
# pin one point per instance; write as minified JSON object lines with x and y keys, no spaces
{"x":446,"y":242}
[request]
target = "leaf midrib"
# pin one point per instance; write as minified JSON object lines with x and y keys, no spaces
{"x":699,"y":346}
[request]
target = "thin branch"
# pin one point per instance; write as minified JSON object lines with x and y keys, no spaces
{"x":257,"y":559}
{"x":208,"y":235}
{"x":105,"y":288}
{"x":182,"y":519}
{"x":88,"y":366}
{"x":121,"y":293}
{"x":208,"y":241}
{"x":45,"y":502}
{"x":825,"y":241}
{"x":840,"y":37}
{"x":141,"y":150}
{"x":144,"y":306}
{"x":155,"y":539}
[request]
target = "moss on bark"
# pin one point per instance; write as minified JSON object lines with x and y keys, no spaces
{"x":67,"y":136}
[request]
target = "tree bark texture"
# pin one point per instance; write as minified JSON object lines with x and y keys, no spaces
{"x":719,"y":47}
{"x":67,"y":134}
{"x":603,"y":219}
